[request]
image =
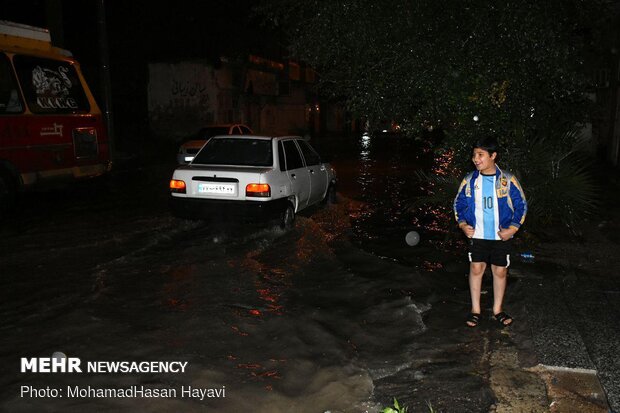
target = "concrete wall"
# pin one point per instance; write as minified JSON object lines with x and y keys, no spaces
{"x":185,"y":96}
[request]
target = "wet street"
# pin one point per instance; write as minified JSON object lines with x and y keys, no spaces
{"x":338,"y":314}
{"x":309,"y":319}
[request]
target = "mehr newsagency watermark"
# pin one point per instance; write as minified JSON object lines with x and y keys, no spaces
{"x":60,"y":363}
{"x":134,"y":391}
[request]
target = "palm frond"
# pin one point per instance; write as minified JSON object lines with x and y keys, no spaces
{"x":554,"y":170}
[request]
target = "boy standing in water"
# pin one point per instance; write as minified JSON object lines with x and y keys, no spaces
{"x":490,"y":208}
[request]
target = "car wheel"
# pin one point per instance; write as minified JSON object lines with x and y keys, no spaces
{"x":287,"y":220}
{"x":330,"y":195}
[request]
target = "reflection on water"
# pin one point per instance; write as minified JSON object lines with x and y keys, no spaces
{"x":176,"y":290}
{"x":297,"y":321}
{"x":384,"y":179}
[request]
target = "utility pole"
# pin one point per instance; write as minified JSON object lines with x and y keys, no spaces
{"x":54,"y":22}
{"x":106,"y":85}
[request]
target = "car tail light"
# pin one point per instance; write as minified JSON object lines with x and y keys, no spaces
{"x":177,"y":186}
{"x":258,"y":190}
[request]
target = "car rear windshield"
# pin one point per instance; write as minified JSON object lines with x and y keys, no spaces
{"x":50,"y":86}
{"x":235,"y":151}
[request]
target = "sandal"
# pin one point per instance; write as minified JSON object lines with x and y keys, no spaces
{"x":503,"y":319}
{"x":472,"y":318}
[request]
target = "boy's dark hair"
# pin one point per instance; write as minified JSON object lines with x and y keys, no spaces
{"x":488,"y":144}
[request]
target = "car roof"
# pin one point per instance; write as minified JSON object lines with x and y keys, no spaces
{"x":225,"y":125}
{"x":241,"y":137}
{"x":257,"y":137}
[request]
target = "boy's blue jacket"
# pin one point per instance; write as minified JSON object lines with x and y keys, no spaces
{"x":510,"y":199}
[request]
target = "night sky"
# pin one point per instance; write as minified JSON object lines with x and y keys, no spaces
{"x":157,"y":30}
{"x":142,"y":31}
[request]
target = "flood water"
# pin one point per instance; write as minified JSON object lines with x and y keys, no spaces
{"x":327,"y":316}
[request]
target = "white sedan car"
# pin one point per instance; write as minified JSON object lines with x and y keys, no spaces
{"x":253,"y":177}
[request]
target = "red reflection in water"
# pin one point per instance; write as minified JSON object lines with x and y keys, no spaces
{"x":270,"y":374}
{"x":432,"y":266}
{"x":238,"y":331}
{"x":175,"y":304}
{"x":312,"y":243}
{"x":270,"y":284}
{"x":266,"y":295}
{"x":358,"y":209}
{"x":248,"y":366}
{"x":437,"y":216}
{"x":260,"y":372}
{"x":175,"y":291}
{"x":333,"y":221}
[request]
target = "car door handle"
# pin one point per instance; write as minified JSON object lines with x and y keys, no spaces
{"x":293,"y":176}
{"x":311,"y":171}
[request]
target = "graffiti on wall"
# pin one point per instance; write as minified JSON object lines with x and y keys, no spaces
{"x":182,"y":97}
{"x":187,"y":93}
{"x":187,"y":88}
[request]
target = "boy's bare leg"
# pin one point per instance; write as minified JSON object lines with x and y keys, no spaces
{"x":476,"y":271}
{"x":500,"y":275}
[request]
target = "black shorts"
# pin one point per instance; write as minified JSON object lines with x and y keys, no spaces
{"x":490,"y":251}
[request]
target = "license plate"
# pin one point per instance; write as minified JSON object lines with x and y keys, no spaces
{"x":217,"y":189}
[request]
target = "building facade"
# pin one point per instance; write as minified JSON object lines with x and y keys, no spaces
{"x":273,"y":98}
